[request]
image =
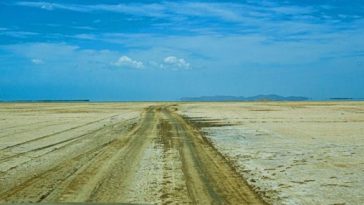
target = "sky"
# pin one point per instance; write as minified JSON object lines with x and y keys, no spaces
{"x":108,"y":50}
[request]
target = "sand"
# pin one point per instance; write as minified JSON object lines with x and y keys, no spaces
{"x":183,"y":153}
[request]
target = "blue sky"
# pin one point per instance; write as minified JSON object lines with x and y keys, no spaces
{"x":164,"y":50}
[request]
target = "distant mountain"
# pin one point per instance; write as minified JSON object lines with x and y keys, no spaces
{"x":241,"y":98}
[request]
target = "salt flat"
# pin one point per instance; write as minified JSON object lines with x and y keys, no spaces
{"x":292,"y":152}
{"x":143,"y":153}
{"x":183,"y":153}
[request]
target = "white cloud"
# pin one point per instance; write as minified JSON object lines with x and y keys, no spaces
{"x":18,"y":34}
{"x":65,"y":56}
{"x":60,"y":56}
{"x":83,"y":27}
{"x":37,"y":61}
{"x":156,"y":10}
{"x":270,"y":17}
{"x":47,"y":6}
{"x":52,"y":6}
{"x":85,"y":36}
{"x":235,"y":12}
{"x":41,"y":5}
{"x":125,"y":61}
{"x":175,"y":63}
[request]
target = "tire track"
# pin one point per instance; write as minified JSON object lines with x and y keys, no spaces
{"x":107,"y":168}
{"x":38,"y":187}
{"x":31,"y":125}
{"x":70,"y":141}
{"x":210,"y":178}
{"x":54,"y":134}
{"x":174,"y":190}
{"x":85,"y":184}
{"x":69,"y":180}
{"x":126,"y":163}
{"x":32,"y":154}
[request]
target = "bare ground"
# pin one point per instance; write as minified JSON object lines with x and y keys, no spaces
{"x":290,"y":152}
{"x":159,"y":157}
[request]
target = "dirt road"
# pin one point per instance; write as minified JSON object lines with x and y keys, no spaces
{"x":160,"y":158}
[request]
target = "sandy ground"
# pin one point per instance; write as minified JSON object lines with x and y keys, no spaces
{"x":185,"y":153}
{"x":129,"y":153}
{"x":291,"y":153}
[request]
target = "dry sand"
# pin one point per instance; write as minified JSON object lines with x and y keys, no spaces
{"x":130,"y":153}
{"x":190,"y":153}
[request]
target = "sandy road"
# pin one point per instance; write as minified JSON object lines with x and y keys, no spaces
{"x":209,"y":177}
{"x":162,"y":158}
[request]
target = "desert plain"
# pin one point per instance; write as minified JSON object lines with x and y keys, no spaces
{"x":183,"y":153}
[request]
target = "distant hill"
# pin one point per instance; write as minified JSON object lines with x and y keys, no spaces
{"x":241,"y":98}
